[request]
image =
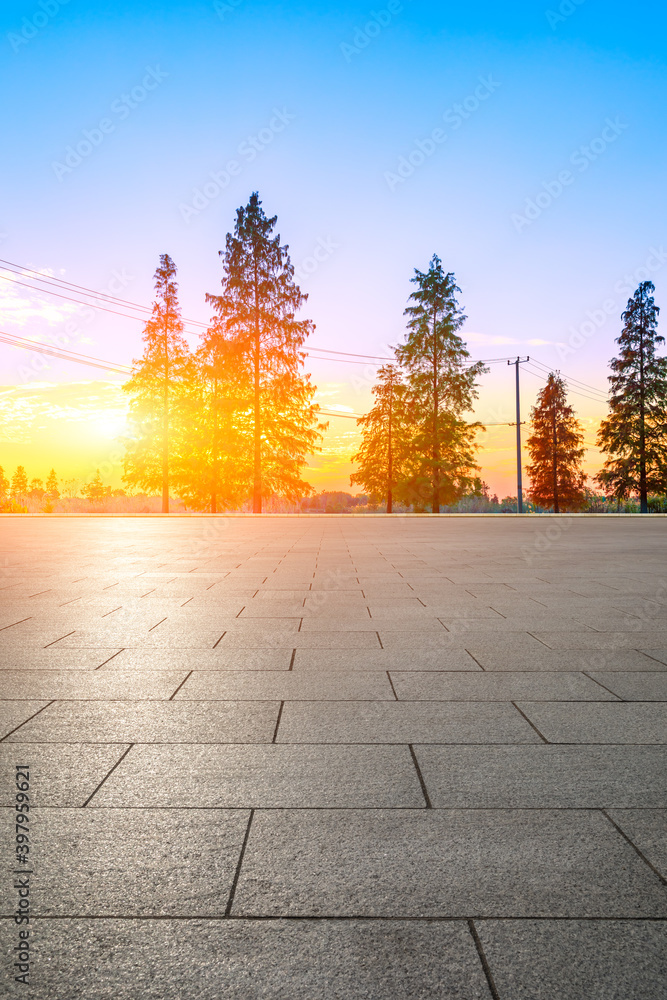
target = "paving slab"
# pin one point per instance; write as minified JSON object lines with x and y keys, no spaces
{"x":449,"y":686}
{"x":576,"y":959}
{"x":264,"y":777}
{"x":644,"y":639}
{"x":14,"y":713}
{"x":635,"y":686}
{"x":656,"y":655}
{"x":150,"y":722}
{"x":611,"y":722}
{"x":464,"y":863}
{"x":286,"y":685}
{"x":493,"y":658}
{"x":64,"y":774}
{"x":403,"y":722}
{"x":248,"y":960}
{"x":201,"y":659}
{"x":385,"y":659}
{"x":647,"y":829}
{"x":112,"y":862}
{"x":392,"y":622}
{"x":135,"y":639}
{"x":86,"y":685}
{"x":542,"y":777}
{"x":301,"y":640}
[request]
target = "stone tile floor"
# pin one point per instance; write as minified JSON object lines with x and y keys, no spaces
{"x":329,"y":757}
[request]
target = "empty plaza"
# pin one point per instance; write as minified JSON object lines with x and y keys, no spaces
{"x":337,"y":757}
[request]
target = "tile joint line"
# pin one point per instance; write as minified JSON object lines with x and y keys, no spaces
{"x":482,"y":957}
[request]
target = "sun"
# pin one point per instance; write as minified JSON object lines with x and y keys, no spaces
{"x":109,"y":425}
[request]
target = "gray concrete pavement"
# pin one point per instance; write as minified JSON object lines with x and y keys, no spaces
{"x":329,"y":757}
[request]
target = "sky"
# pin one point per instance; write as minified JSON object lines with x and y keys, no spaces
{"x":521,"y":142}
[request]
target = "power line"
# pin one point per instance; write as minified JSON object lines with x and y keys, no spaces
{"x":60,"y":282}
{"x":575,"y":392}
{"x":67,"y":286}
{"x":568,"y":378}
{"x":57,"y":352}
{"x":347,"y":416}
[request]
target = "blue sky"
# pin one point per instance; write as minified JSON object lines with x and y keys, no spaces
{"x":334,"y":108}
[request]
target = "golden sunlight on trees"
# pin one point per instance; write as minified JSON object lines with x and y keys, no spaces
{"x":384,"y":449}
{"x":159,"y":388}
{"x":256,"y":316}
{"x":235,"y":418}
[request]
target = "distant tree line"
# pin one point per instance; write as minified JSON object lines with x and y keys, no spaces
{"x":17,"y":494}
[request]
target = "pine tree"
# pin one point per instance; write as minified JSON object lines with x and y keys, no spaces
{"x":19,"y":488}
{"x":95,"y":490}
{"x":4,"y":486}
{"x":384,"y":440}
{"x":634,"y":434}
{"x":556,"y":451}
{"x":442,"y":387}
{"x":258,"y":310}
{"x":37,"y":490}
{"x":159,"y":385}
{"x":52,"y":491}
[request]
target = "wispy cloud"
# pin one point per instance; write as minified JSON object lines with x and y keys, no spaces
{"x":20,"y":306}
{"x":489,"y":340}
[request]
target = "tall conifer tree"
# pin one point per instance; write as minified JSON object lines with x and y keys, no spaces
{"x":19,"y":488}
{"x":384,"y":439}
{"x":556,"y":451}
{"x":4,"y":486}
{"x":52,"y":491}
{"x":634,"y":435}
{"x":258,"y":308}
{"x":159,"y":386}
{"x":442,"y":387}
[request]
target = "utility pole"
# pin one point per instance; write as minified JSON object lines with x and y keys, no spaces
{"x":519,"y":476}
{"x":554,"y":430}
{"x":390,"y":452}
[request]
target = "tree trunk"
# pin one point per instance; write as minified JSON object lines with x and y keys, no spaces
{"x":390,"y":457}
{"x":214,"y":491}
{"x":165,"y":422}
{"x":257,"y":475}
{"x":555,"y":460}
{"x":436,"y":443}
{"x":643,"y":489}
